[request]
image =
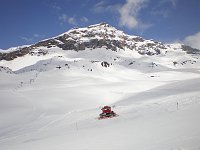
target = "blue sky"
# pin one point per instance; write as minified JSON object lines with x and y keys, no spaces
{"x":28,"y":21}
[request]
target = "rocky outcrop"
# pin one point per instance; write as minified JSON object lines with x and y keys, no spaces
{"x":14,"y":54}
{"x":190,"y":50}
{"x":47,"y":43}
{"x":28,"y":50}
{"x":105,"y":64}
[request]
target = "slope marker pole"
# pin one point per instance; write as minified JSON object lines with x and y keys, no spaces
{"x":177,"y":105}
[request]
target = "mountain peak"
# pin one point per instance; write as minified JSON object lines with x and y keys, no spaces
{"x":102,"y":24}
{"x":100,"y":27}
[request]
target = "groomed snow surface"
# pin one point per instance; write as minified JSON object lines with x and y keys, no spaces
{"x":57,"y":109}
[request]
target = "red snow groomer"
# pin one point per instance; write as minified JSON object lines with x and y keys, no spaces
{"x":107,"y":113}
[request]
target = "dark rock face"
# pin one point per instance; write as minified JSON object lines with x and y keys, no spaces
{"x":15,"y":54}
{"x":68,"y":45}
{"x":105,"y":64}
{"x":190,"y":50}
{"x":28,"y":50}
{"x":46,"y":43}
{"x":138,"y":39}
{"x":39,"y":52}
{"x":93,"y":43}
{"x":63,"y":38}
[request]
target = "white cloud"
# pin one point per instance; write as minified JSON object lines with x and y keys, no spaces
{"x":26,"y":39}
{"x":63,"y":18}
{"x":129,"y":12}
{"x":99,"y":7}
{"x":84,"y":19}
{"x":38,"y":35}
{"x":144,"y":26}
{"x":103,"y":6}
{"x":72,"y":21}
{"x":193,"y":40}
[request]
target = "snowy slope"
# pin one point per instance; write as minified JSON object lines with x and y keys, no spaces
{"x":58,"y":110}
{"x":53,"y":97}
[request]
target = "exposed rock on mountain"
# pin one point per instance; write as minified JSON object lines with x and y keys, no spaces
{"x":92,"y":37}
{"x":190,"y":50}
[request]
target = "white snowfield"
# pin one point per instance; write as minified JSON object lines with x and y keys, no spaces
{"x":52,"y":102}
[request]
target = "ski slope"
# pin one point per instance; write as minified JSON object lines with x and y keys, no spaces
{"x":56,"y":109}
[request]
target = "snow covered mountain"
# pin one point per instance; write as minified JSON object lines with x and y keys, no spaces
{"x":51,"y":93}
{"x":105,"y":37}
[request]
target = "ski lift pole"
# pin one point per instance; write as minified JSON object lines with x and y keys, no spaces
{"x":177,"y":105}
